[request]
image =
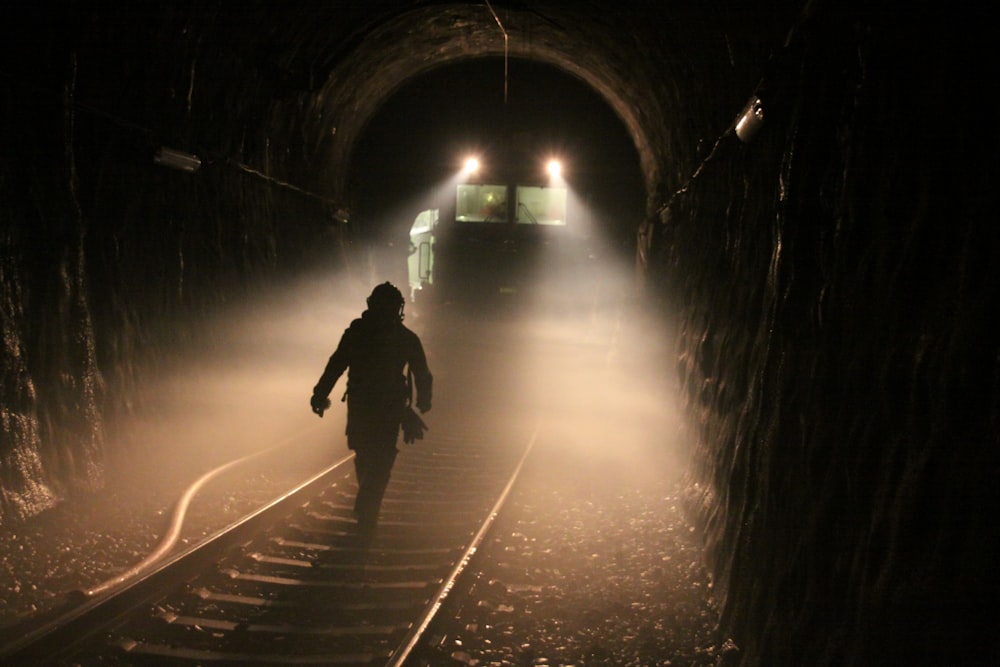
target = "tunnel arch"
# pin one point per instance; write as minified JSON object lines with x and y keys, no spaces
{"x":422,"y":132}
{"x":351,"y":95}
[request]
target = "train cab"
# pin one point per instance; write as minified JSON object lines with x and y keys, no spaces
{"x":492,"y":239}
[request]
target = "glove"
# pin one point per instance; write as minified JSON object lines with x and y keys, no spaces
{"x":319,"y":404}
{"x":424,"y":407}
{"x":413,"y":426}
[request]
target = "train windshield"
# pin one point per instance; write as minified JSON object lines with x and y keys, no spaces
{"x":541,"y":206}
{"x":533,"y":205}
{"x":481,"y":203}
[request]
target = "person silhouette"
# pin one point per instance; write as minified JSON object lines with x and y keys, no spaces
{"x":374,"y":350}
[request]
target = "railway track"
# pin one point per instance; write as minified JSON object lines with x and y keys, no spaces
{"x":297,"y":583}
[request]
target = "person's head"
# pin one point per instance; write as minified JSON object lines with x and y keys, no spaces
{"x":386,"y":302}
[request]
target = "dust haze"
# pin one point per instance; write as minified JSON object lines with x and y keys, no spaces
{"x":580,"y":358}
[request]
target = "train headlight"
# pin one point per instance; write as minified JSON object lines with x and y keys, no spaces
{"x":471,"y":166}
{"x":554,"y":167}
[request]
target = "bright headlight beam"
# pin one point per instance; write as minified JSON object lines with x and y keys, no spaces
{"x":471,"y":165}
{"x":554,"y":167}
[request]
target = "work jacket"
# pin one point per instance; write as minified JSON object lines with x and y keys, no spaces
{"x":375,"y":353}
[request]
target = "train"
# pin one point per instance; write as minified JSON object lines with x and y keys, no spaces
{"x":498,"y":236}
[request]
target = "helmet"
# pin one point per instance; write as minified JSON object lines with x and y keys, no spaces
{"x":386,"y":298}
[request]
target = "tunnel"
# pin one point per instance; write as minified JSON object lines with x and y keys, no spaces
{"x":799,"y":189}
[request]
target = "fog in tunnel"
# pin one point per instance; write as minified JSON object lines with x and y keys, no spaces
{"x":586,"y":372}
{"x":578,"y":348}
{"x":240,"y":386}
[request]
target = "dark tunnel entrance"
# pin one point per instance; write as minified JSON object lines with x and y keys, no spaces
{"x":513,"y":116}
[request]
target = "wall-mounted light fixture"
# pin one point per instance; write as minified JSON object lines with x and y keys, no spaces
{"x":750,"y":120}
{"x":168,"y":157}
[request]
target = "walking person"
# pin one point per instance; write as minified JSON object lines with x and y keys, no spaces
{"x":380,"y":354}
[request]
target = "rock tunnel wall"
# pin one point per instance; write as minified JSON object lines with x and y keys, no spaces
{"x":830,"y":282}
{"x":833,"y":281}
{"x":111,"y":263}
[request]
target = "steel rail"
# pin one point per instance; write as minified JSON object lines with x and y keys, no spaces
{"x":75,"y":622}
{"x":410,"y":641}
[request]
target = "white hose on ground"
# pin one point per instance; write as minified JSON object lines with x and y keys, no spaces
{"x":177,"y":520}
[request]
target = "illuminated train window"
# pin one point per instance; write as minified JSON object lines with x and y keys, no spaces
{"x":541,"y":206}
{"x":534,"y":205}
{"x":481,"y":203}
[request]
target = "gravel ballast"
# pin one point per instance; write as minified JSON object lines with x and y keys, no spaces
{"x":587,"y":565}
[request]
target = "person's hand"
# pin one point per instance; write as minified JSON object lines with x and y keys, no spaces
{"x":319,"y":404}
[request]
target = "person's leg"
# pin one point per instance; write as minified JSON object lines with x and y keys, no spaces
{"x":372,"y":432}
{"x":373,"y":469}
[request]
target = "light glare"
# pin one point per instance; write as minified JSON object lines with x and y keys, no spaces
{"x":471,"y":166}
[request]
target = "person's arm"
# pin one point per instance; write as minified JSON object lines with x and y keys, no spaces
{"x":335,"y":367}
{"x":422,"y":378}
